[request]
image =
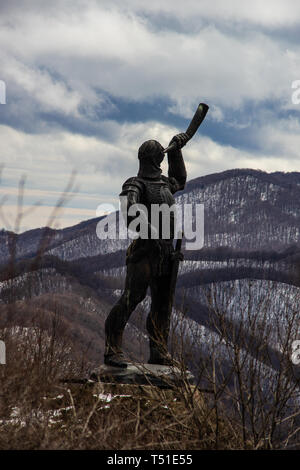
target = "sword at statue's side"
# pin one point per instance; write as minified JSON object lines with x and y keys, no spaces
{"x":177,"y":257}
{"x":194,"y":125}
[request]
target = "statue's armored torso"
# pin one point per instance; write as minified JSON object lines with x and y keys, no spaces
{"x":154,"y":194}
{"x":157,"y":192}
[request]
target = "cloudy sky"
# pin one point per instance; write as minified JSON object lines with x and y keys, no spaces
{"x":88,"y":81}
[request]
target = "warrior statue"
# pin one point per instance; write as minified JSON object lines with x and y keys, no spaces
{"x":150,"y":260}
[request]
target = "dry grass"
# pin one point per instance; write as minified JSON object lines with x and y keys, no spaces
{"x":37,"y":411}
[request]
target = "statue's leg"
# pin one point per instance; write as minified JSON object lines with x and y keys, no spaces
{"x":158,"y":321}
{"x":136,"y":284}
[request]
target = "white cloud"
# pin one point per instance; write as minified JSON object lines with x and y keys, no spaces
{"x":118,"y":51}
{"x":282,"y":138}
{"x":267,"y":12}
{"x":68,"y":57}
{"x":40,"y":216}
{"x":206,"y":156}
{"x":48,"y":93}
{"x":103,"y":167}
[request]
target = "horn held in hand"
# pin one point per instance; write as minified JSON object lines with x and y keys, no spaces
{"x":193,"y":127}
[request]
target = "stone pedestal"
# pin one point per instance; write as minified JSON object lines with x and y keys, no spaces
{"x":153,"y":382}
{"x":143,"y":374}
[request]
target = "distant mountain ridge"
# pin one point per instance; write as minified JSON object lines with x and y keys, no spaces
{"x":244,"y":209}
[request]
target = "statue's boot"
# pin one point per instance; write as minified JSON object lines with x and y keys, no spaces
{"x":113,"y":355}
{"x":159,"y":355}
{"x":115,"y":360}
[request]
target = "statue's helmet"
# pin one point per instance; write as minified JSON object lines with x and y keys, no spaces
{"x":151,"y":149}
{"x":150,"y":155}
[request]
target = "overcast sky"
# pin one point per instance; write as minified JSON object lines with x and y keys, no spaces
{"x":88,"y":81}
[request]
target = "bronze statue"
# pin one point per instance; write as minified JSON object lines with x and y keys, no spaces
{"x":150,"y":262}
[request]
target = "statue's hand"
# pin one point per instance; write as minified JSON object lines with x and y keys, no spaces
{"x":180,"y":139}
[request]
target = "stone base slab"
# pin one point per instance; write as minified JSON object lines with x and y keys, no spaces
{"x":142,"y":374}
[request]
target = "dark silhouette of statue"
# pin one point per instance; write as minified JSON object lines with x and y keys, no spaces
{"x":149,"y":261}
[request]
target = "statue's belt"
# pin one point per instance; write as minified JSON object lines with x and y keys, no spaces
{"x":159,"y":248}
